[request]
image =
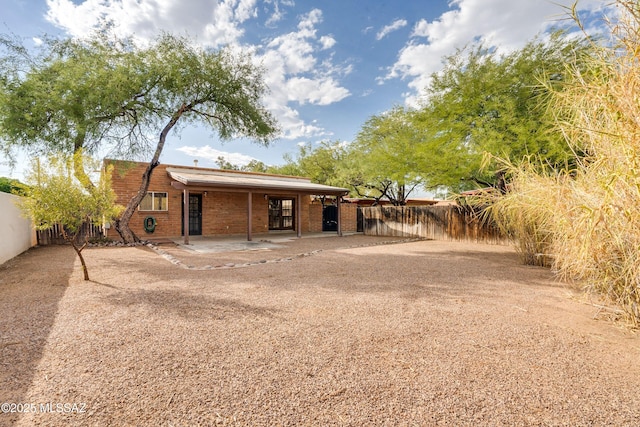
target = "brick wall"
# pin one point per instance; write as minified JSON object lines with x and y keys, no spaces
{"x":222,"y":212}
{"x":348,"y":217}
{"x":305,"y":201}
{"x":126,"y":181}
{"x":315,"y":217}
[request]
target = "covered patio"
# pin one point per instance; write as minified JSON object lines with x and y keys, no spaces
{"x":282,"y":192}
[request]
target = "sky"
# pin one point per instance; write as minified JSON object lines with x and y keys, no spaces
{"x":329,"y":65}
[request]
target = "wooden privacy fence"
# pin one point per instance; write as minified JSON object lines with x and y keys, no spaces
{"x":429,"y":222}
{"x":53,"y":235}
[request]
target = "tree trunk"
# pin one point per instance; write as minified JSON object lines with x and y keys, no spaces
{"x":122,"y":223}
{"x":72,"y":239}
{"x":78,"y":165}
{"x":78,"y":250}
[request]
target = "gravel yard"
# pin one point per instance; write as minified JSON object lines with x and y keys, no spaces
{"x":358,"y":331}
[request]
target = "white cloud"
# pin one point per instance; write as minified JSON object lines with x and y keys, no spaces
{"x":295,"y":74}
{"x":327,"y":42}
{"x":505,"y":24}
{"x":293,"y":126}
{"x":318,"y":91}
{"x":77,"y":20}
{"x":214,"y":23}
{"x":293,"y":51}
{"x":211,"y":154}
{"x":278,"y":13}
{"x":395,"y":25}
{"x":276,"y":16}
{"x":294,"y":71}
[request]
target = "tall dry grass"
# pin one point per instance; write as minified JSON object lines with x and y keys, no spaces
{"x":519,"y":214}
{"x":586,"y":220}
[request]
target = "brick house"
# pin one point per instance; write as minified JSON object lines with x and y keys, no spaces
{"x":223,"y":202}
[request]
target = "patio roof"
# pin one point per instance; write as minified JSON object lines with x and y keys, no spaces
{"x":194,"y":178}
{"x":202,"y":180}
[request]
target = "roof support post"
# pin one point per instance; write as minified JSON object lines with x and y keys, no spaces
{"x":185,"y":215}
{"x":298,"y":209}
{"x":339,"y":210}
{"x":249,"y":215}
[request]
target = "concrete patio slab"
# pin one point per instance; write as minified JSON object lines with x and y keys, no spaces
{"x":266,"y":241}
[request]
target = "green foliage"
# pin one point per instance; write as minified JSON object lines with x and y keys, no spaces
{"x":253,"y":166}
{"x":484,"y":102}
{"x":71,"y":95}
{"x":586,"y":218}
{"x":220,"y":89}
{"x":112,"y":91}
{"x":481,"y":102}
{"x":103,"y":94}
{"x":290,"y":168}
{"x":98,"y":94}
{"x":324,"y":164}
{"x":223,"y":163}
{"x":13,"y":186}
{"x":54,"y":196}
{"x":327,"y":163}
{"x":386,"y":157}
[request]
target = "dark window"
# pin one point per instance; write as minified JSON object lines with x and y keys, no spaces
{"x":281,"y":213}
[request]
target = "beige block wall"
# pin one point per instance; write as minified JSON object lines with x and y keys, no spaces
{"x":17,"y":232}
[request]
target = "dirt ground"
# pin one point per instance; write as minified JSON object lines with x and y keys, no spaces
{"x":347,"y":331}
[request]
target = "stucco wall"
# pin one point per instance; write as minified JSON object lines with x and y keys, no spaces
{"x":16,"y":231}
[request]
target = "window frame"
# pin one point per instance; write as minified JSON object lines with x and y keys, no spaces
{"x":276,"y":212}
{"x":153,"y":201}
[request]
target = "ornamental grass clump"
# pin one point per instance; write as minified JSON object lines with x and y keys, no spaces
{"x":586,"y":219}
{"x":524,"y":212}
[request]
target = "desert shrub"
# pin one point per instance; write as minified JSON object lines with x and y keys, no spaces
{"x":587,"y":218}
{"x":523,"y":214}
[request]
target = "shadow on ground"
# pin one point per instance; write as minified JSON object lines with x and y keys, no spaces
{"x":421,"y":269}
{"x":31,"y":286}
{"x":423,"y":333}
{"x":184,"y":304}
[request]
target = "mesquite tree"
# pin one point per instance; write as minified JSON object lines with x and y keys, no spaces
{"x":385,"y":157}
{"x":102,"y":95}
{"x":484,"y":102}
